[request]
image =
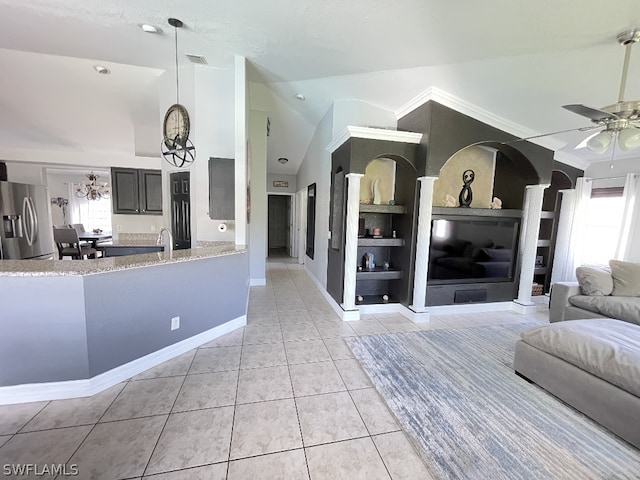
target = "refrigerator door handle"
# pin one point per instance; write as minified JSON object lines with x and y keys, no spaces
{"x":29,"y":220}
{"x":25,"y":223}
{"x":34,"y":217}
{"x":34,"y":220}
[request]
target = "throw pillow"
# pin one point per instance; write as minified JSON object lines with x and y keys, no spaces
{"x":626,"y":278}
{"x":594,"y":281}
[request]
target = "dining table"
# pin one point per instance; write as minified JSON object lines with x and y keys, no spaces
{"x":94,"y":238}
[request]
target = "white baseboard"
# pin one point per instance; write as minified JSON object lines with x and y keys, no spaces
{"x":258,"y":282}
{"x":36,"y":392}
{"x":470,"y":308}
{"x":524,"y":308}
{"x":336,"y":307}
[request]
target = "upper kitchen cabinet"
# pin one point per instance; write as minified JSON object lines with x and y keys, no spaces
{"x":222,"y":189}
{"x":136,"y":191}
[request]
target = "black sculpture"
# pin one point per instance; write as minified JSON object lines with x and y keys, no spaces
{"x":466,"y":195}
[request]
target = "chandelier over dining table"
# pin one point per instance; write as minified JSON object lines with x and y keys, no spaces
{"x":92,"y":189}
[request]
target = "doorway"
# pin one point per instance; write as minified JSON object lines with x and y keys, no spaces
{"x":180,"y":210}
{"x":280,"y":222}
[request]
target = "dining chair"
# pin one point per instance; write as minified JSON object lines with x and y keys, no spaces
{"x":68,"y":244}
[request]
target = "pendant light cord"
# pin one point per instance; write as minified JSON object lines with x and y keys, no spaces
{"x":175,"y":30}
{"x":614,"y":140}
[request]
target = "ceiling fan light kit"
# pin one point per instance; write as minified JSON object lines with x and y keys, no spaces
{"x":620,"y":120}
{"x":600,"y":142}
{"x":629,"y":138}
{"x":176,"y":147}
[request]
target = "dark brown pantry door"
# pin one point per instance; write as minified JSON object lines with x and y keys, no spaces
{"x":180,"y":210}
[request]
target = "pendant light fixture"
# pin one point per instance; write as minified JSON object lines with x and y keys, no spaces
{"x":92,"y":190}
{"x":176,"y":147}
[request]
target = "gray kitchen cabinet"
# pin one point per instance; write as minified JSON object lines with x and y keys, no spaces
{"x":136,"y":191}
{"x":222,"y":189}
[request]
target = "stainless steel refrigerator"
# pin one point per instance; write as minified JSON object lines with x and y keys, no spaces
{"x":25,"y":231}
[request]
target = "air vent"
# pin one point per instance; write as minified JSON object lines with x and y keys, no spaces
{"x":197,"y":59}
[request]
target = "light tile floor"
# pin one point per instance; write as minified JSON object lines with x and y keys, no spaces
{"x":282,"y":398}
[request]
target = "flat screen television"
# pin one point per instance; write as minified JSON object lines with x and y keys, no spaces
{"x":472,"y":249}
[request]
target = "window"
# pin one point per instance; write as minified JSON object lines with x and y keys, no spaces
{"x":602,"y":226}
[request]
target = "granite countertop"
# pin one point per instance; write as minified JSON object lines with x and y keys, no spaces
{"x":55,"y":268}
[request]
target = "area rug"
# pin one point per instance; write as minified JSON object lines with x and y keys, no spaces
{"x":471,"y":417}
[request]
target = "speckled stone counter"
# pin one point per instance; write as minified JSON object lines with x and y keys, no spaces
{"x":43,"y":268}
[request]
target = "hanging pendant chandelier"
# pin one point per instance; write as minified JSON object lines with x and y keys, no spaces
{"x":92,"y":190}
{"x":176,"y":147}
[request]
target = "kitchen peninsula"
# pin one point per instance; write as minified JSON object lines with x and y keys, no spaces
{"x":73,"y":328}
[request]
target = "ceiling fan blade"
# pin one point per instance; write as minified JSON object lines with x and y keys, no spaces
{"x":583,"y":143}
{"x":593,"y":113}
{"x":580,"y":129}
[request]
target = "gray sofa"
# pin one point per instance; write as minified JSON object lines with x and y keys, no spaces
{"x":593,"y":365}
{"x":600,"y":292}
{"x":568,"y":303}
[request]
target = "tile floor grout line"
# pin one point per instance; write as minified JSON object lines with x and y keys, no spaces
{"x":175,"y":400}
{"x":30,"y":420}
{"x":97,"y":423}
{"x":235,"y":402}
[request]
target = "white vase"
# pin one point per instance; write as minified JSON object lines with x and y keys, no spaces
{"x":376,"y":192}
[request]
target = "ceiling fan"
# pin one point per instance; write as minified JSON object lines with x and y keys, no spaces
{"x":621,"y":120}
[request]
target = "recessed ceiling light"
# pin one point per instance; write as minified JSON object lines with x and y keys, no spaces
{"x":300,"y":97}
{"x":101,"y":69}
{"x":148,"y":28}
{"x":283,"y":160}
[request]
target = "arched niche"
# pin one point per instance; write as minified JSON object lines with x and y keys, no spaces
{"x":499,"y":171}
{"x":396,"y":178}
{"x":559,"y":181}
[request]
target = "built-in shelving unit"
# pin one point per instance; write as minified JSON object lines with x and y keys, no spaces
{"x":542,"y":271}
{"x":370,"y":208}
{"x":379,"y":273}
{"x":548,"y":228}
{"x":375,"y":282}
{"x":380,"y":242}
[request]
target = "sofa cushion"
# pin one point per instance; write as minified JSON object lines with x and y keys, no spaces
{"x":621,"y":308}
{"x":626,"y":278}
{"x":606,"y":348}
{"x":594,"y":281}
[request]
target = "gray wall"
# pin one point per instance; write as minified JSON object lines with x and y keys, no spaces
{"x":80,"y":327}
{"x":129,"y":312}
{"x":43,"y":337}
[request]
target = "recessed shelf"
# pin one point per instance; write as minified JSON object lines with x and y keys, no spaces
{"x":370,"y":208}
{"x":379,"y":273}
{"x":540,"y":270}
{"x":380,"y":242}
{"x":375,"y":299}
{"x":479,"y":212}
{"x":544,"y":243}
{"x":547,"y":214}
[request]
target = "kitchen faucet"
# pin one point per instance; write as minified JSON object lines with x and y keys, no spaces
{"x":161,"y":241}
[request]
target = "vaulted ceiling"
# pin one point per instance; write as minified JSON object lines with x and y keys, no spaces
{"x":516,"y":62}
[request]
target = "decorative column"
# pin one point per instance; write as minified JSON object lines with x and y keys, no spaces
{"x":422,"y":245}
{"x":351,"y":243}
{"x":528,"y":243}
